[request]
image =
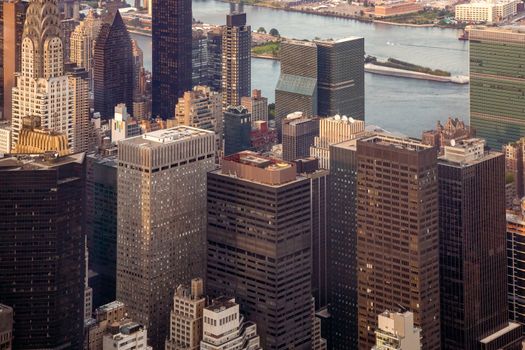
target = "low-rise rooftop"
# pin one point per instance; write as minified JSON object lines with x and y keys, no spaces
{"x":166,"y":136}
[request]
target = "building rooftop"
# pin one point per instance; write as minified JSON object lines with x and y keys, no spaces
{"x":398,"y":142}
{"x":300,"y":42}
{"x":130,"y":328}
{"x":509,"y":29}
{"x":251,"y":166}
{"x":167,"y":136}
{"x":467,"y":152}
{"x":222,"y":303}
{"x":110,"y":306}
{"x":111,"y":161}
{"x":44,"y":161}
{"x":510,"y":327}
{"x":337,"y":41}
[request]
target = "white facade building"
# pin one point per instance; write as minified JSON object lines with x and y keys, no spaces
{"x":131,"y":336}
{"x":225,"y":328}
{"x":334,"y":130}
{"x":42,"y":88}
{"x":489,"y":11}
{"x":122,"y":125}
{"x":186,"y":317}
{"x":5,"y":137}
{"x":396,"y":331}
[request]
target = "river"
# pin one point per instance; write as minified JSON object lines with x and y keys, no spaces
{"x":398,"y":104}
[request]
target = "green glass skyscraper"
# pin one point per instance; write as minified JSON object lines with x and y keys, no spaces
{"x":497,"y":84}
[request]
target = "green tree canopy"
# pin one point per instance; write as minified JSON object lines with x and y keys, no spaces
{"x":274,"y":32}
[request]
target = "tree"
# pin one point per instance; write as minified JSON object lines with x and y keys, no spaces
{"x":274,"y":32}
{"x":261,"y":30}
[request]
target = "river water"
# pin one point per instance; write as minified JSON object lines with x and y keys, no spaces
{"x":397,"y":104}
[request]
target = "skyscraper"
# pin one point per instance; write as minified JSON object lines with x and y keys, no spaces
{"x":472,"y":239}
{"x":319,"y":201}
{"x":341,"y":77}
{"x":214,"y":45}
{"x":101,"y":226}
{"x":200,"y":108}
{"x":397,"y":234}
{"x":82,"y":44}
{"x":515,"y":256}
{"x":78,"y":79}
{"x":296,"y":89}
{"x":299,"y":132}
{"x":260,"y":250}
{"x":237,"y":129}
{"x":236,"y":59}
{"x":41,"y":230}
{"x":497,"y":78}
{"x":199,"y":58}
{"x":42,"y":87}
{"x":161,"y":239}
{"x":171,"y":40}
{"x":113,"y":68}
{"x":13,"y":18}
{"x":342,"y":233}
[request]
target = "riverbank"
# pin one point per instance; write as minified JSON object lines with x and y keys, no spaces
{"x":359,"y":18}
{"x":394,"y":72}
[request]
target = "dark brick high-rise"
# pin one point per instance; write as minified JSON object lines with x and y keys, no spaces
{"x":113,"y":68}
{"x":259,"y":246}
{"x":473,"y":258}
{"x":171,"y":40}
{"x":43,"y":251}
{"x":397,"y":235}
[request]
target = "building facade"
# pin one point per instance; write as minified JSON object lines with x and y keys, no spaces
{"x":486,"y":11}
{"x":171,"y":40}
{"x":130,"y":336}
{"x":42,"y":88}
{"x":82,"y":44}
{"x":101,"y":226}
{"x":396,"y":331}
{"x":299,"y":132}
{"x":214,"y":44}
{"x":341,"y":77}
{"x":496,"y":80}
{"x":42,"y":249}
{"x":224,"y":328}
{"x":515,"y":258}
{"x":473,"y":259}
{"x":78,"y":79}
{"x":397,"y":234}
{"x":260,"y":251}
{"x":113,"y":68}
{"x":334,"y":130}
{"x":6,"y":327}
{"x":186,"y":317}
{"x":237,"y":130}
{"x":342,"y":242}
{"x":257,"y":105}
{"x":13,"y":18}
{"x":161,"y":225}
{"x":296,"y":89}
{"x":236,"y":59}
{"x":199,"y":58}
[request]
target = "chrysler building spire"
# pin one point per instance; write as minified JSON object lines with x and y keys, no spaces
{"x":42,"y":46}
